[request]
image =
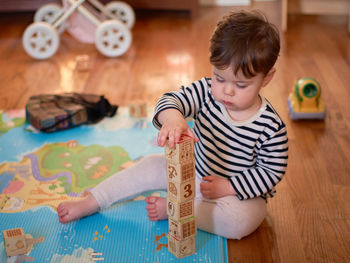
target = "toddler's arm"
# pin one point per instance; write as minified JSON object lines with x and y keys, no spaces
{"x":271,"y":165}
{"x":174,"y":107}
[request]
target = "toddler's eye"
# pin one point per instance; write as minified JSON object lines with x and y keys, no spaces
{"x":220,"y":80}
{"x":241,"y":86}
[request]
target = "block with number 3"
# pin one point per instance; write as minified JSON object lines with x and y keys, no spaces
{"x":181,"y":192}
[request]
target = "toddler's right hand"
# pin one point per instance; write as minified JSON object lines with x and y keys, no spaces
{"x":173,"y":126}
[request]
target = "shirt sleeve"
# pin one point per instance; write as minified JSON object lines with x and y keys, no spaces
{"x":270,"y":167}
{"x":188,"y":100}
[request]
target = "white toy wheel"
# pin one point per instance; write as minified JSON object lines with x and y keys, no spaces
{"x":40,"y":40}
{"x":123,"y":12}
{"x":49,"y":13}
{"x":112,"y":38}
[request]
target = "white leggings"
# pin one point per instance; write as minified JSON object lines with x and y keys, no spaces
{"x":227,"y":216}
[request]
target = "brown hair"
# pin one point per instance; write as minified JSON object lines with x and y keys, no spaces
{"x":246,"y":41}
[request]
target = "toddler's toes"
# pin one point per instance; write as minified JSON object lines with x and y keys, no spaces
{"x":151,"y":207}
{"x":151,"y":199}
{"x":156,"y":208}
{"x":64,"y":218}
{"x":60,"y":207}
{"x":62,"y":211}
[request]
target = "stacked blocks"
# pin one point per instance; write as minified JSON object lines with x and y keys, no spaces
{"x":180,"y":199}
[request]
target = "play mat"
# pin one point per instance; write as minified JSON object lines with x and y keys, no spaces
{"x":38,"y":171}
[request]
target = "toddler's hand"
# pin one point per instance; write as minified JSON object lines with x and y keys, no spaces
{"x":215,"y":187}
{"x":173,"y":126}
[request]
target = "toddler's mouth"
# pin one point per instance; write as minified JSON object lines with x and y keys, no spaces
{"x":228,"y":104}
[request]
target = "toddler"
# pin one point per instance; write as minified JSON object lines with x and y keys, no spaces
{"x":241,"y":148}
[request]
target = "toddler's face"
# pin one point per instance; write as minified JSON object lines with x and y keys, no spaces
{"x":239,"y":95}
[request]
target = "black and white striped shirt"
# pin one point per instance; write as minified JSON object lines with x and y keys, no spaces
{"x":252,"y":154}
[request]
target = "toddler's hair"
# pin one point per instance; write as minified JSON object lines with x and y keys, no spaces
{"x":246,"y":41}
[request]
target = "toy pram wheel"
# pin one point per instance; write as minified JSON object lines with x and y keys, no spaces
{"x":49,"y":13}
{"x":123,"y":12}
{"x":40,"y":40}
{"x":112,"y":38}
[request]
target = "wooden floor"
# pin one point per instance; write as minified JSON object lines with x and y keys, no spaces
{"x":309,"y":219}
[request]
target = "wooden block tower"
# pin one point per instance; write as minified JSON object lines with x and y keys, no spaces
{"x":180,"y":199}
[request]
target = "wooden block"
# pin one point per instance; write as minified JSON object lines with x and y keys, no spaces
{"x":181,"y":192}
{"x":82,"y":62}
{"x":182,"y":152}
{"x":180,"y":172}
{"x":15,"y":242}
{"x":181,"y":248}
{"x":138,"y":109}
{"x":183,"y":229}
{"x":180,"y":211}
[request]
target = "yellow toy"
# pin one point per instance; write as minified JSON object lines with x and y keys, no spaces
{"x":18,"y":243}
{"x":305,"y":102}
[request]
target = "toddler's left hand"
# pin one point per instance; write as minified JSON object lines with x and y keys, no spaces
{"x":215,"y":187}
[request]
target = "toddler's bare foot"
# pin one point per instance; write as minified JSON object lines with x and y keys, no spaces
{"x":73,"y":210}
{"x":156,"y":208}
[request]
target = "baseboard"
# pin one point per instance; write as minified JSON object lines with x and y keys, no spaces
{"x":224,"y":2}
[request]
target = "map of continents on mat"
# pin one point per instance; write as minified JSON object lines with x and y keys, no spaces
{"x":39,"y":170}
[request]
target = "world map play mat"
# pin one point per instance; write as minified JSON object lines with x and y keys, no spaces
{"x":39,"y":170}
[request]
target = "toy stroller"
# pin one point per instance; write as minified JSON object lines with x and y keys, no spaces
{"x":112,"y":37}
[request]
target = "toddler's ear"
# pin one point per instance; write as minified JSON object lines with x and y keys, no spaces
{"x":268,"y":77}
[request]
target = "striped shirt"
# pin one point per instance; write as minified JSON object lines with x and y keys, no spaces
{"x":252,"y":154}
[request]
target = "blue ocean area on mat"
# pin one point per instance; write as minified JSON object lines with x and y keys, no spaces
{"x":122,"y":234}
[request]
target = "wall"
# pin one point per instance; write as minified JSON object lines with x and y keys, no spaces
{"x":318,"y":7}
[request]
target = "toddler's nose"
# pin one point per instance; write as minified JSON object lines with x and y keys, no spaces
{"x":228,"y":90}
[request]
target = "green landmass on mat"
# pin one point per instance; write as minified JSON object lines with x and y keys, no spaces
{"x":8,"y":125}
{"x":87,"y":165}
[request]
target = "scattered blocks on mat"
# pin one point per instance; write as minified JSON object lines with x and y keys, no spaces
{"x":19,"y":243}
{"x":138,"y":109}
{"x":180,"y":199}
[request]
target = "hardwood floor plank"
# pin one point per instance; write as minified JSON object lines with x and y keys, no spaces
{"x":288,"y":238}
